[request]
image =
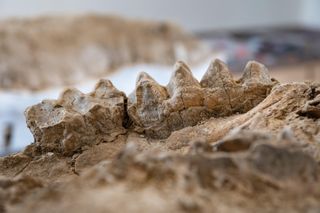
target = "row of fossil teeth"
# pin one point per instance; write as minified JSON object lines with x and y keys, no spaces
{"x":78,"y":119}
{"x":159,"y":110}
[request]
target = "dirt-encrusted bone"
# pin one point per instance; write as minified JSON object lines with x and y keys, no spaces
{"x":78,"y":119}
{"x":159,"y":110}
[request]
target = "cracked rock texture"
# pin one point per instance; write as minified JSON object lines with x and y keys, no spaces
{"x":260,"y":155}
{"x":46,"y":52}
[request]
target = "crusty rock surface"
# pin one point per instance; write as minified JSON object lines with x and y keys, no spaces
{"x":265,"y":158}
{"x":45,"y":52}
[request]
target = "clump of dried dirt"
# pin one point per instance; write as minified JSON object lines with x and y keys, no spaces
{"x":259,"y":154}
{"x":53,"y":51}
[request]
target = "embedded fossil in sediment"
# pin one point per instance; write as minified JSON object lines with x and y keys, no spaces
{"x":159,"y":110}
{"x":78,"y":119}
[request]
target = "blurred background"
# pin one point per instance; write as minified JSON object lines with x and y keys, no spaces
{"x":47,"y":45}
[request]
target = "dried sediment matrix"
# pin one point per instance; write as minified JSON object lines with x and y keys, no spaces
{"x":76,"y":119}
{"x":159,"y":110}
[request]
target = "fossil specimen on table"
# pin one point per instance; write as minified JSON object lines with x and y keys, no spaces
{"x":78,"y":119}
{"x":159,"y":110}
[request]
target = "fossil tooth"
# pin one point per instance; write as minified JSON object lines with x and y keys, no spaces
{"x":256,"y":84}
{"x":146,"y":99}
{"x":148,"y":91}
{"x":74,"y":99}
{"x":219,"y":88}
{"x":143,"y":76}
{"x":105,"y":89}
{"x":77,"y":119}
{"x":217,"y":75}
{"x":181,"y":78}
{"x":255,"y":72}
{"x":183,"y":88}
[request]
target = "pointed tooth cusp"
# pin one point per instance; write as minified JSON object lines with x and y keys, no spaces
{"x":255,"y":72}
{"x":217,"y":75}
{"x":104,"y":84}
{"x":149,"y":91}
{"x":143,"y":76}
{"x":105,"y":89}
{"x":181,"y":77}
{"x":68,"y":96}
{"x":146,"y":100}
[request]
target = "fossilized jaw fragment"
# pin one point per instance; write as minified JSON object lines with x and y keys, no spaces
{"x":185,"y":102}
{"x":77,"y":119}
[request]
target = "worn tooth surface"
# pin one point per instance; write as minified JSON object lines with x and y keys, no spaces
{"x":77,"y":119}
{"x":217,"y":75}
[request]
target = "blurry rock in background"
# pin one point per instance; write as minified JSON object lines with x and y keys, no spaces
{"x":46,"y":52}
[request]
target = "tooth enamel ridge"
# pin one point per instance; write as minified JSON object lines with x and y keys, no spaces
{"x":76,"y":119}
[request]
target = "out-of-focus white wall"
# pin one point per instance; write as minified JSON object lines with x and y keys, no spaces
{"x":193,"y":15}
